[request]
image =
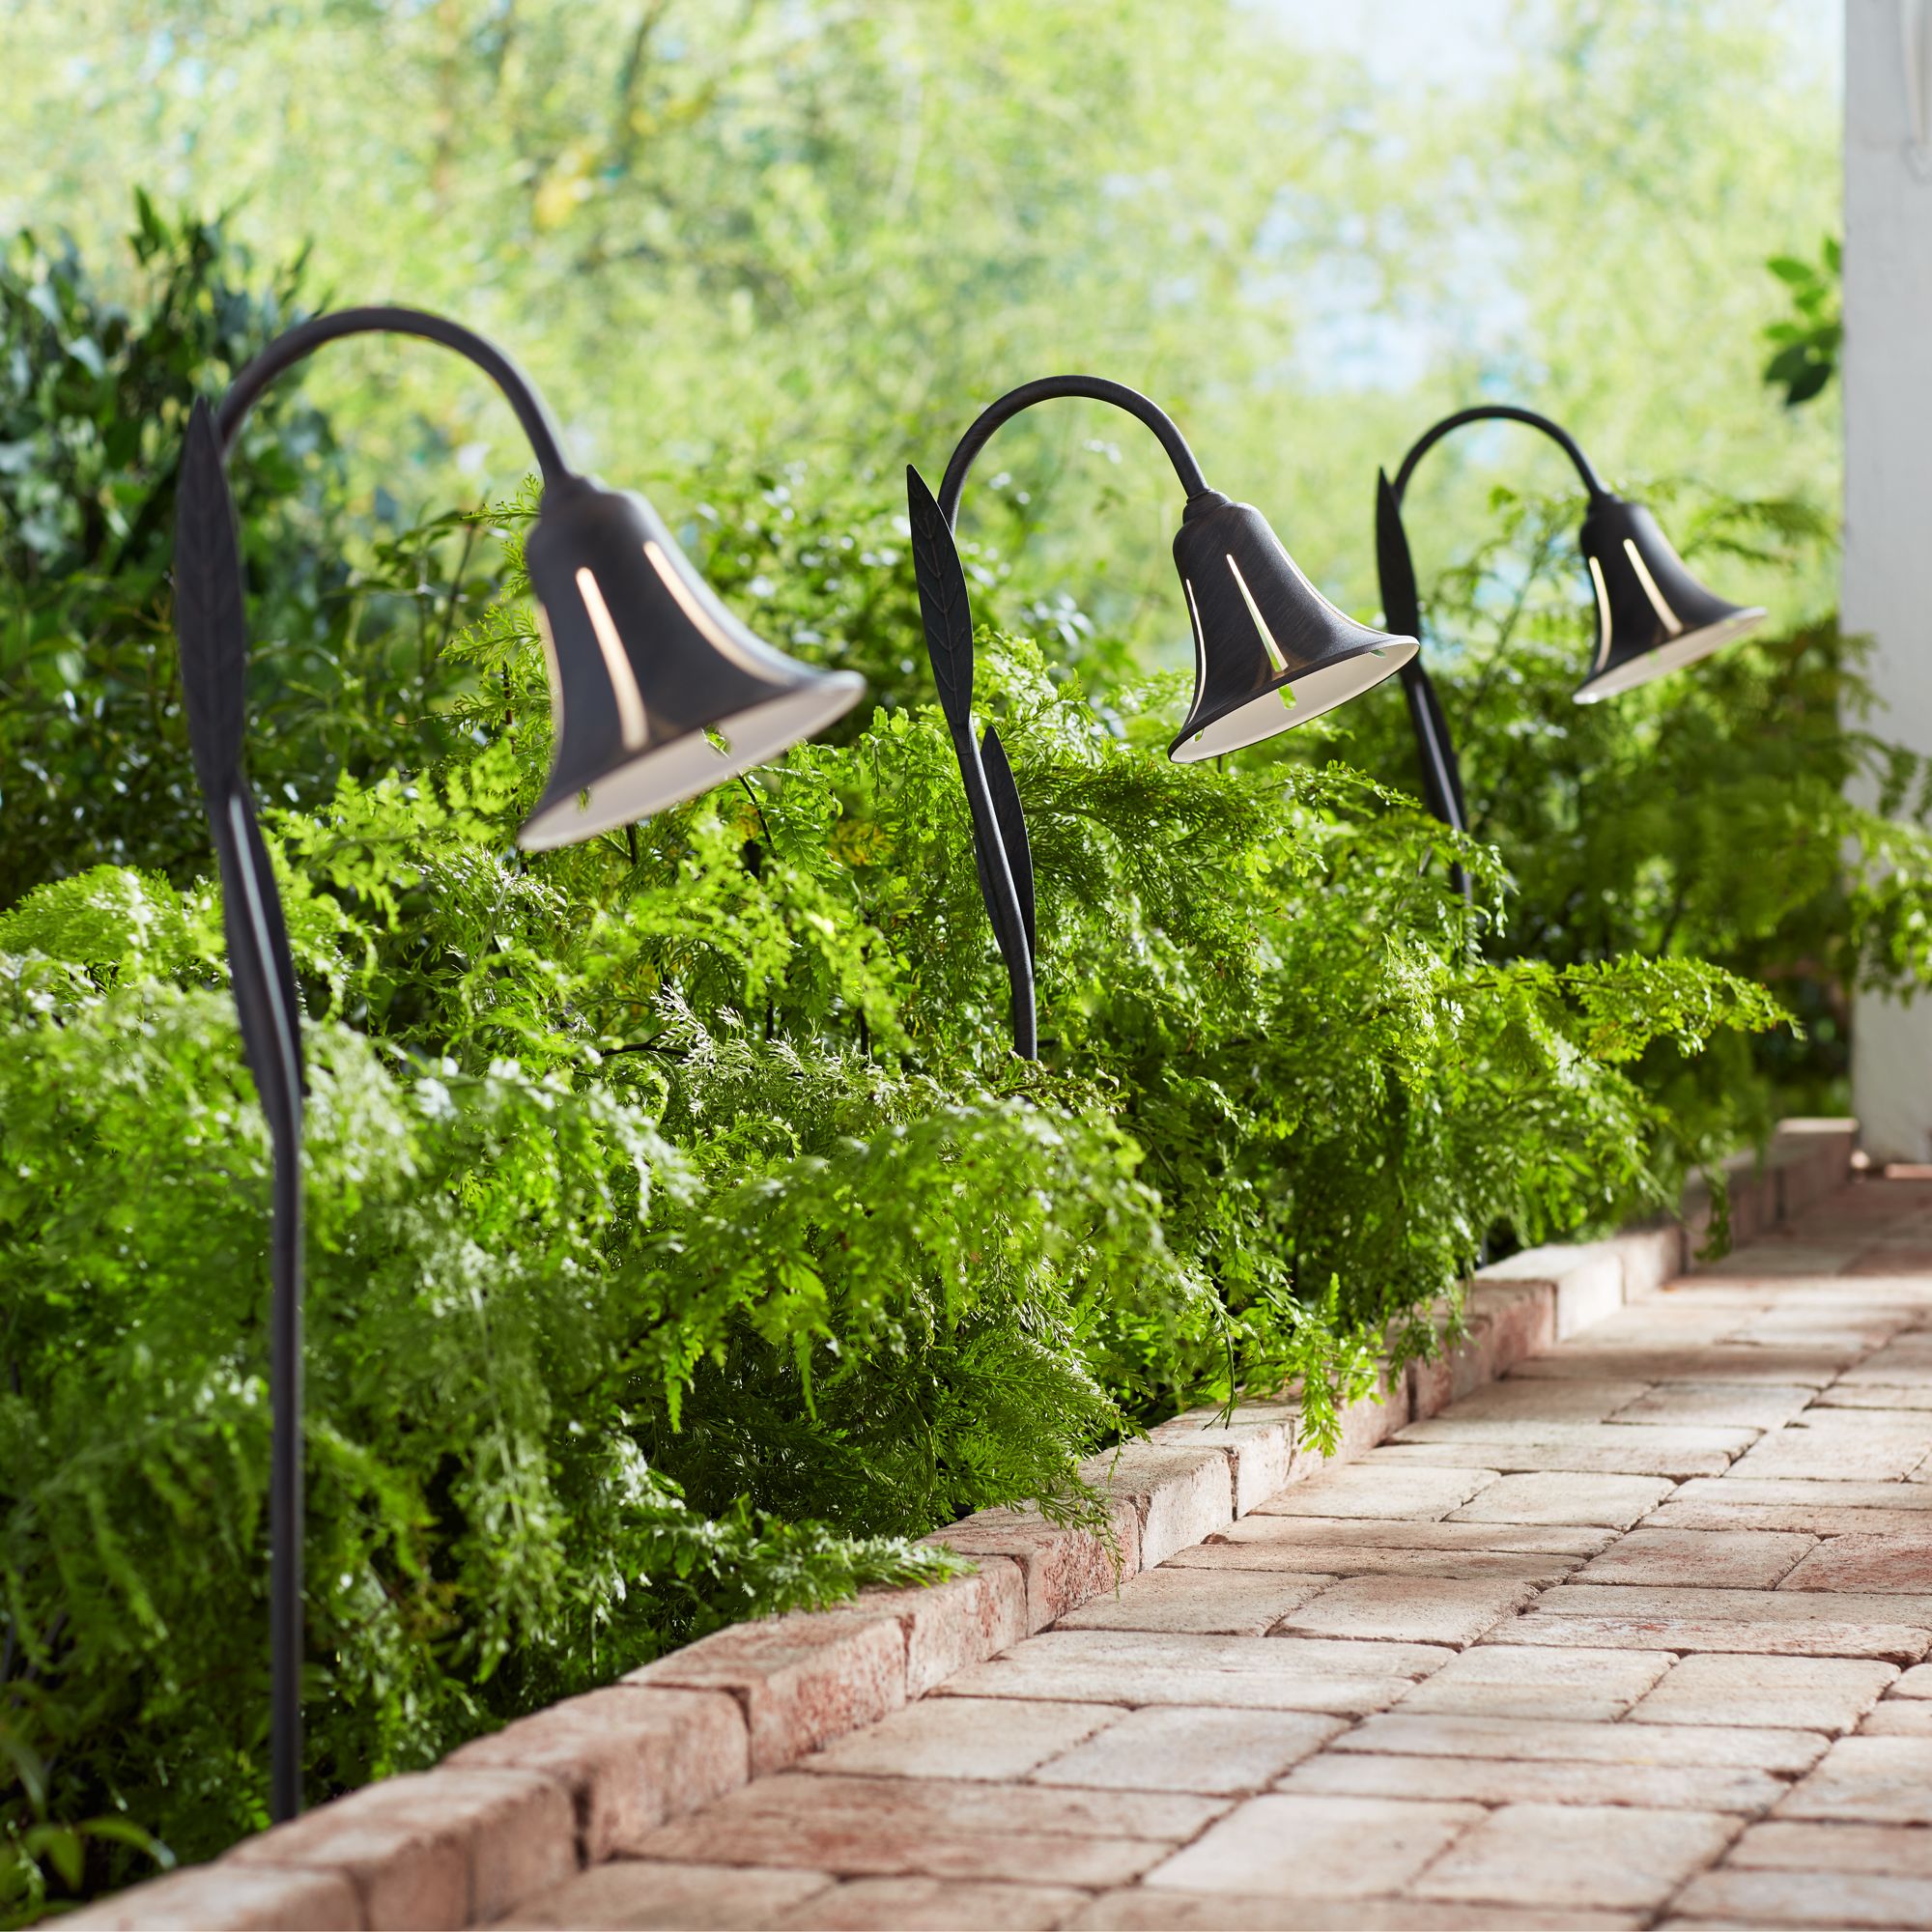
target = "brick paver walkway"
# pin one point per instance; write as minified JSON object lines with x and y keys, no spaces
{"x":1632,"y":1638}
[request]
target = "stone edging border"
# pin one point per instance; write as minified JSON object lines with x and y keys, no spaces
{"x":515,"y":1814}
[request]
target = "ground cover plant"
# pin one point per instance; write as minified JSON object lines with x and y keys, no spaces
{"x":684,"y":1241}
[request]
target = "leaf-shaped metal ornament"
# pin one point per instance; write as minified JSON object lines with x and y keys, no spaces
{"x":1401,"y":612}
{"x":1402,"y":606}
{"x":260,"y":965}
{"x":948,"y":616}
{"x":1011,"y":821}
{"x":210,"y":625}
{"x":943,"y":603}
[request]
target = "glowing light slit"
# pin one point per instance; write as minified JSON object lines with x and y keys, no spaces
{"x":1272,"y":648}
{"x":1199,"y":642}
{"x":1602,"y":616}
{"x":714,"y":632}
{"x":554,"y":672}
{"x":632,"y":723}
{"x":1672,"y":622}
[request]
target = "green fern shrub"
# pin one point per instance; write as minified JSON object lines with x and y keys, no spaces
{"x":1741,"y":811}
{"x":683,"y":1237}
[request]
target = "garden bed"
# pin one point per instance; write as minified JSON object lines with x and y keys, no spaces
{"x":513,"y":1814}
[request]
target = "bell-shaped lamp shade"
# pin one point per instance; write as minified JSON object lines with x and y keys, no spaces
{"x":1269,"y":650}
{"x":657,"y":692}
{"x":1652,"y":614}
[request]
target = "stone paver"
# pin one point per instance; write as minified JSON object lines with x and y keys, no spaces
{"x":1743,"y":1559}
{"x":1548,"y":1741}
{"x":1637,"y":1636}
{"x":1262,"y":1546}
{"x":1893,"y":1643}
{"x":1333,"y":1542}
{"x":1508,"y":1781}
{"x":1182,"y":1750}
{"x":1874,"y":1780}
{"x":1234,"y":1672}
{"x":1578,"y":1856}
{"x":916,"y":1904}
{"x":1422,"y":1609}
{"x":1863,"y":1562}
{"x":1357,"y":1489}
{"x":964,"y":1737}
{"x":663,"y":1897}
{"x":1611,"y":1451}
{"x":1718,"y":1404}
{"x":1787,"y":1606}
{"x":1611,"y":1502}
{"x":1520,"y":1401}
{"x":1838,"y":1445}
{"x":1877,"y":1850}
{"x":1898,"y":1718}
{"x":1817,"y":1693}
{"x":1233,"y":1602}
{"x":1803,"y":1898}
{"x":1875,"y":1395}
{"x":1505,"y":1679}
{"x":1138,"y":1909}
{"x":1316,"y":1847}
{"x":1665,"y":1361}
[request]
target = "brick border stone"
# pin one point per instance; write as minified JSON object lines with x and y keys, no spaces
{"x":507,"y":1817}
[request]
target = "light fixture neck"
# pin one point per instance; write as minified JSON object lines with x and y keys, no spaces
{"x":306,"y":337}
{"x":1097,"y":389}
{"x":1503,"y":413}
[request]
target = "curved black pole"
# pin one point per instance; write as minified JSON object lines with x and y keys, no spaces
{"x":1001,"y":850}
{"x":1500,"y":413}
{"x":1402,"y":609}
{"x":211,"y":630}
{"x":1095,"y":388}
{"x":306,"y":338}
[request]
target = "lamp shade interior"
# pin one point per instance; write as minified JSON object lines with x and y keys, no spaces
{"x":685,"y":766}
{"x":1672,"y":655}
{"x":1290,"y":704}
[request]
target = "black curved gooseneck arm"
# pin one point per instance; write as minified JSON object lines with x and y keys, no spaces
{"x":1001,"y":851}
{"x":1402,"y":606}
{"x":211,"y":630}
{"x":1095,"y":388}
{"x":1500,"y":413}
{"x":306,"y":338}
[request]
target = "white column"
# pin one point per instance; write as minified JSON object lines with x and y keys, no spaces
{"x":1888,"y":562}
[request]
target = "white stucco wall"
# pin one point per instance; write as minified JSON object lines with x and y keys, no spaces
{"x":1888,"y":562}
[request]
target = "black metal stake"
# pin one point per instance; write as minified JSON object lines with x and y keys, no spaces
{"x":213,"y":635}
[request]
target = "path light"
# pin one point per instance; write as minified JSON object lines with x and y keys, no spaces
{"x":1270,"y":651}
{"x":657,"y":694}
{"x":1652,"y":617}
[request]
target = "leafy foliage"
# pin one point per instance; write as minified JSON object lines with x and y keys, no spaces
{"x":1742,"y":814}
{"x":1807,"y":345}
{"x":94,"y":396}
